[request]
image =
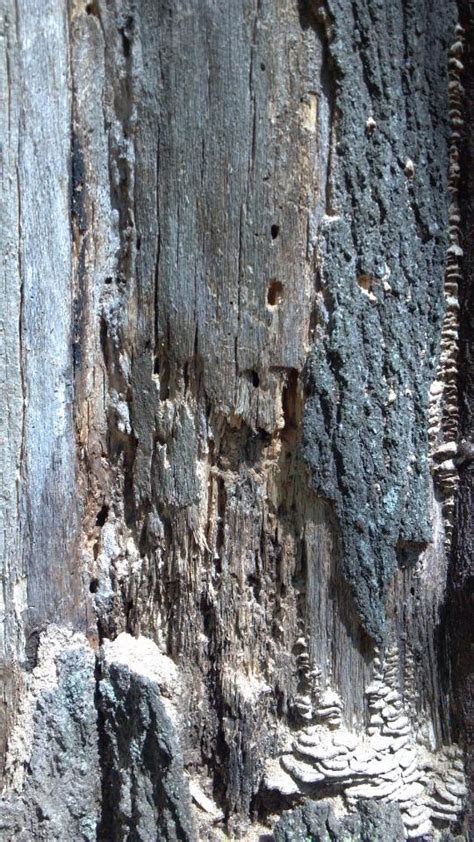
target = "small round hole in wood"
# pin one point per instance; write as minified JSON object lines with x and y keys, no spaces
{"x":274,"y":293}
{"x":252,"y":376}
{"x":255,"y":379}
{"x":365,"y":282}
{"x":102,"y":515}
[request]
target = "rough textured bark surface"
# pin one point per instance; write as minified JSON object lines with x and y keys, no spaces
{"x":235,"y":516}
{"x":458,"y":654}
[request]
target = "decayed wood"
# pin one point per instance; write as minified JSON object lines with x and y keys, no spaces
{"x":41,"y":577}
{"x":11,"y":382}
{"x":457,"y":625}
{"x":225,"y":230}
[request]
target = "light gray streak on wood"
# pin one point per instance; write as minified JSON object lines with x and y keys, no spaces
{"x":49,"y":503}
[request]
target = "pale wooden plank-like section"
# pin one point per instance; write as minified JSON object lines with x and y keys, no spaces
{"x":49,"y":502}
{"x":40,"y":575}
{"x":11,"y":387}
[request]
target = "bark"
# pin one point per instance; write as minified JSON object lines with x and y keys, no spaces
{"x":236,"y":453}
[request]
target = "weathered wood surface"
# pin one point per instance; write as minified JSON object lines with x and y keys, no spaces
{"x":42,"y":580}
{"x":458,"y":616}
{"x":224,"y":235}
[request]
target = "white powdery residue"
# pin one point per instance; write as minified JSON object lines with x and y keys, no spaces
{"x":249,"y":687}
{"x":207,"y":805}
{"x":133,"y":556}
{"x":110,"y":544}
{"x":444,"y":404}
{"x":20,"y":599}
{"x":122,"y":412}
{"x":62,"y":404}
{"x":142,"y":657}
{"x":203,"y":474}
{"x":386,"y":762}
{"x":43,"y":679}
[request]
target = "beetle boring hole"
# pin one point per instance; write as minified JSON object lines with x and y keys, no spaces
{"x":91,"y":9}
{"x":365,"y":282}
{"x":102,"y":515}
{"x":275,"y":230}
{"x":94,"y":585}
{"x":251,"y":375}
{"x":274,"y":293}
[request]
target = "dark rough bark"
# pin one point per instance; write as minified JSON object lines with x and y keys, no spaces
{"x":372,"y":823}
{"x":234,"y":438}
{"x":458,"y":627}
{"x":57,"y":792}
{"x":144,"y":794}
{"x":380,"y":300}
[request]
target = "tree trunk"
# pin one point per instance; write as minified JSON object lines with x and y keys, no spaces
{"x":237,"y":378}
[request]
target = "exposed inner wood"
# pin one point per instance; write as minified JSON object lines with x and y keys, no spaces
{"x":232,"y":470}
